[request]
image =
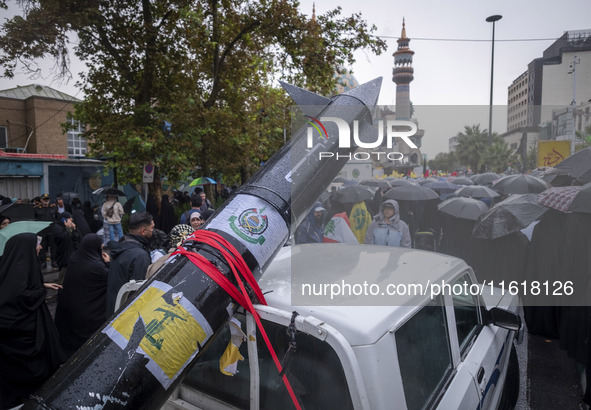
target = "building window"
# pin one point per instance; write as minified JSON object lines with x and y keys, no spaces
{"x":3,"y":137}
{"x":76,"y":142}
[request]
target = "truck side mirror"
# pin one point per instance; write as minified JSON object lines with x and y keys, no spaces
{"x":503,"y":318}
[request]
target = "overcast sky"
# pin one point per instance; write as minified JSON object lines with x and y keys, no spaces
{"x":446,"y":72}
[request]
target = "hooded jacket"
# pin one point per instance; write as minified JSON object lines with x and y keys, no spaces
{"x":130,"y":259}
{"x":310,"y":231}
{"x":393,"y":232}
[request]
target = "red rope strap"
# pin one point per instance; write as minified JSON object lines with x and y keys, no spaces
{"x":241,"y":271}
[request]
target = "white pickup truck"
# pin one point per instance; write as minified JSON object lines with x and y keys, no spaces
{"x":451,"y":352}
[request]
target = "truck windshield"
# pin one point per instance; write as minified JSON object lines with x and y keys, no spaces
{"x":314,"y":372}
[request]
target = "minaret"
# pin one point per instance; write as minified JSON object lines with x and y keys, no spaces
{"x":402,"y":75}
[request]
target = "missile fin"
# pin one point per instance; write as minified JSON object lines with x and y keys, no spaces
{"x":310,"y":103}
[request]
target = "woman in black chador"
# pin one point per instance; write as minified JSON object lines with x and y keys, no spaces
{"x":82,"y":304}
{"x":29,"y":342}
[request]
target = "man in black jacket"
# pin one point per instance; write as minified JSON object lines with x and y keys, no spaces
{"x":130,"y":257}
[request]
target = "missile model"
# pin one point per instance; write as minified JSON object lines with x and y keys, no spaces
{"x":143,"y":352}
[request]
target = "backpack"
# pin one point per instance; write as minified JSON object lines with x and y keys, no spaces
{"x":110,"y":211}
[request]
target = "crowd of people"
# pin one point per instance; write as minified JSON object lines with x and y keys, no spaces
{"x":95,"y":258}
{"x":554,"y":249}
{"x":93,"y":262}
{"x":378,"y":222}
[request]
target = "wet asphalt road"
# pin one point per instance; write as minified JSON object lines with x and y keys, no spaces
{"x":549,"y":379}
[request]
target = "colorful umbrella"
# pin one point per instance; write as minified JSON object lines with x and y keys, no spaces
{"x":202,"y":181}
{"x":559,"y":198}
{"x":20,"y":227}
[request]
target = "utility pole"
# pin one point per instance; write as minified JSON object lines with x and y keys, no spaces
{"x":493,"y":20}
{"x":573,"y":71}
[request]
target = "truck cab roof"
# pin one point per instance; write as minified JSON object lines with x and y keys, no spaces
{"x":364,"y":319}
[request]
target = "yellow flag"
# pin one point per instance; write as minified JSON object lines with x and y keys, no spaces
{"x":359,"y":218}
{"x":551,"y":153}
{"x":171,"y":330}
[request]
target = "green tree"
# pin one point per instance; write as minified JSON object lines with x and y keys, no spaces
{"x":585,"y":137}
{"x":498,"y":155}
{"x":444,"y":161}
{"x":186,"y":84}
{"x":471,"y":146}
{"x":532,"y":158}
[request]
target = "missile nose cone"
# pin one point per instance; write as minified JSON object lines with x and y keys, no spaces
{"x":310,"y":102}
{"x":368,"y":93}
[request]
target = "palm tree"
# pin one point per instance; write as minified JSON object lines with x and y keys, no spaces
{"x":471,"y":145}
{"x":585,"y":137}
{"x":497,"y":155}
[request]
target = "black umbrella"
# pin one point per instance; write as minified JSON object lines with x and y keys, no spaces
{"x":485,"y":179}
{"x":555,"y":178}
{"x":582,"y":200}
{"x":400,"y":182}
{"x":18,"y":212}
{"x":577,"y":166}
{"x":378,"y":183}
{"x":462,"y":181}
{"x":108,"y":190}
{"x":511,"y":215}
{"x":411,"y":193}
{"x":463,"y":208}
{"x":442,"y":187}
{"x":352,"y":194}
{"x":477,"y":191}
{"x":520,"y":184}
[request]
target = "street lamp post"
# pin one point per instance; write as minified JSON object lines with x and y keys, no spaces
{"x":492,"y":19}
{"x":573,"y":71}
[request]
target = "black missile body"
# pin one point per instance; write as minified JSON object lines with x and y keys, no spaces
{"x":137,"y":359}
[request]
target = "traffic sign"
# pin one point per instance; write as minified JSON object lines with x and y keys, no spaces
{"x":148,"y":173}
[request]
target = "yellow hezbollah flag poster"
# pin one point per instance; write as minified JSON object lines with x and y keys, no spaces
{"x":551,"y":153}
{"x":172,"y":330}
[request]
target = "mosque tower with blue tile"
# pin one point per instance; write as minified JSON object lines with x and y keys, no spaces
{"x":402,"y":75}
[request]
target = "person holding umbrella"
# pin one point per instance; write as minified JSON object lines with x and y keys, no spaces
{"x":387,"y":228}
{"x":4,"y":221}
{"x":46,"y":211}
{"x":30,"y":350}
{"x":112,"y":212}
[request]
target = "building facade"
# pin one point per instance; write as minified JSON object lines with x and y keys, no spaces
{"x":560,"y":77}
{"x":31,"y":119}
{"x":550,"y":99}
{"x":36,"y":155}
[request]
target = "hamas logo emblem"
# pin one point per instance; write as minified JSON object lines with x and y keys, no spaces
{"x":250,"y":225}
